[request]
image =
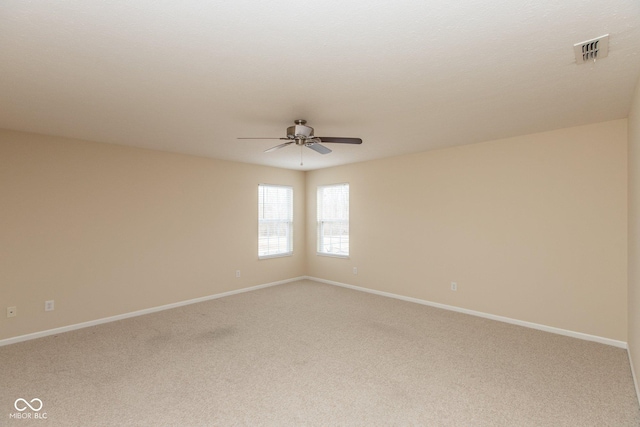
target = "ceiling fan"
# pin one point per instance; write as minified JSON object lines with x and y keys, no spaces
{"x":303,"y":136}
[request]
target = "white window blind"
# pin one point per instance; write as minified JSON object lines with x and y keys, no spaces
{"x":333,"y":220}
{"x":275,"y":220}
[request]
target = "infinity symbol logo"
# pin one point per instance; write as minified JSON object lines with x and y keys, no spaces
{"x":24,"y":408}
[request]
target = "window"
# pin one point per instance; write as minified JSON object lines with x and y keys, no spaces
{"x":333,"y":220}
{"x":275,"y":220}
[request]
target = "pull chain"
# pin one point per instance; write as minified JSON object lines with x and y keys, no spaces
{"x":301,"y":155}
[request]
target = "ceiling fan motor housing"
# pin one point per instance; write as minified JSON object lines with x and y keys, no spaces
{"x":299,"y":131}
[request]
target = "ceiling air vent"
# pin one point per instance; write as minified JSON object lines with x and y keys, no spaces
{"x":591,"y":50}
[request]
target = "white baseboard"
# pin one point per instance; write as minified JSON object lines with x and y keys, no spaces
{"x":579,"y":335}
{"x":68,"y":328}
{"x":633,"y":374}
{"x":531,"y":325}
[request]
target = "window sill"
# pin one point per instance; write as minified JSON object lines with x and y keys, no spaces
{"x":275,"y":255}
{"x":332,"y":255}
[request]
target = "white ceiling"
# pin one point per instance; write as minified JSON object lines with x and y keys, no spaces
{"x":405,"y":75}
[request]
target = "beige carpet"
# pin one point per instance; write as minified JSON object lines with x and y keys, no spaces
{"x":307,"y":353}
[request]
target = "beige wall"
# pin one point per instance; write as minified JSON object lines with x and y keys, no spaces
{"x":105,"y":230}
{"x":532,"y":228}
{"x":634,"y":231}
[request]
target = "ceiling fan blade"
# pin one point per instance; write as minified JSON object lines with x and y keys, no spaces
{"x":340,"y":140}
{"x":319,"y":148}
{"x":265,"y":138}
{"x":277,"y":147}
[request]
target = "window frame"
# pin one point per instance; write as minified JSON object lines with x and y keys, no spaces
{"x":288,"y":222}
{"x":321,"y":222}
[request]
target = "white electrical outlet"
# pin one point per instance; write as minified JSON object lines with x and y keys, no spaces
{"x":454,"y":286}
{"x":48,"y":305}
{"x":355,"y":270}
{"x":237,"y":273}
{"x":12,"y":311}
